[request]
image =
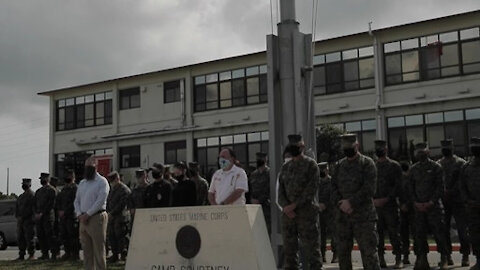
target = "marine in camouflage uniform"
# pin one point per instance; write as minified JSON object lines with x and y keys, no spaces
{"x":260,"y":187}
{"x":118,"y":217}
{"x":389,"y":175}
{"x":427,"y":188}
{"x":407,"y":212}
{"x":56,"y":229}
{"x":44,"y":216}
{"x":353,"y":186}
{"x":454,"y":206}
{"x":297,"y":195}
{"x":68,"y":222}
{"x":25,"y":225}
{"x":200,"y":183}
{"x":327,"y":212}
{"x":136,"y":199}
{"x":470,"y":190}
{"x":159,"y":193}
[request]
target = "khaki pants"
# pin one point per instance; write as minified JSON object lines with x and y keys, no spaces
{"x":92,"y":237}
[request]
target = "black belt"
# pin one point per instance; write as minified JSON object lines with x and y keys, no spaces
{"x":96,"y":213}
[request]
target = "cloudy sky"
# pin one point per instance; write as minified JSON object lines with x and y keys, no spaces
{"x":51,"y":44}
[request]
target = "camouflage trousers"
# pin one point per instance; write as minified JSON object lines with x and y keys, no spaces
{"x":459,"y":213}
{"x":388,"y":221}
{"x":68,"y":227}
{"x":303,"y":228}
{"x":327,"y":226}
{"x":433,"y":219}
{"x":407,"y":229}
{"x":474,"y":227}
{"x":46,"y":237}
{"x":365,"y":232}
{"x":117,"y":231}
{"x":25,"y":233}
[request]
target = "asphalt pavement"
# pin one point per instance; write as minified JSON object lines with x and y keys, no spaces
{"x":433,"y":257}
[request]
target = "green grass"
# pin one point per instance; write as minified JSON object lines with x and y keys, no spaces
{"x":49,"y":265}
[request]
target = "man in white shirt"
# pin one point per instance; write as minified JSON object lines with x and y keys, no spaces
{"x":90,"y":204}
{"x":229,"y":184}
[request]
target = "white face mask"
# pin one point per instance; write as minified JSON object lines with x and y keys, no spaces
{"x":223,"y":163}
{"x":286,"y":160}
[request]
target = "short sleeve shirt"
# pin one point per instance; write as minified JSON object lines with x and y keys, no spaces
{"x":225,"y":182}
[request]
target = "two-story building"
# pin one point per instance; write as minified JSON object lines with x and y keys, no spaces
{"x":414,"y":82}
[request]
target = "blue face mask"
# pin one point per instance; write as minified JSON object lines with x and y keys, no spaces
{"x":223,"y":163}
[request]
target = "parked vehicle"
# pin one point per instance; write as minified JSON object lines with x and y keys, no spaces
{"x":8,"y":224}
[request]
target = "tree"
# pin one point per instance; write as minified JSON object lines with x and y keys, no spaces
{"x":328,"y":143}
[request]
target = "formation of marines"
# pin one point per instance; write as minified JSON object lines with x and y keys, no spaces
{"x":355,"y":198}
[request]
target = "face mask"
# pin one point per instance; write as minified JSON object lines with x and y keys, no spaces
{"x":260,"y":163}
{"x":286,"y":160}
{"x":223,"y":163}
{"x":295,"y":150}
{"x":380,"y":153}
{"x":475,"y":151}
{"x":323,"y":174}
{"x":405,"y":167}
{"x":89,"y":173}
{"x":25,"y":186}
{"x":447,"y":152}
{"x":349,"y":152}
{"x":421,"y":156}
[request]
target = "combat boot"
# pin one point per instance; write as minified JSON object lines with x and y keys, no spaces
{"x":65,"y":257}
{"x":30,"y":257}
{"x":398,"y":262}
{"x":113,"y":258}
{"x":383,"y":263}
{"x":421,"y":263}
{"x":443,"y":264}
{"x":334,"y":258}
{"x":450,"y":260}
{"x":20,"y":258}
{"x":44,"y":257}
{"x":465,"y":260}
{"x":406,"y":260}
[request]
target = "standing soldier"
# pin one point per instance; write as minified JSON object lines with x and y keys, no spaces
{"x":427,"y":188}
{"x":452,"y":165}
{"x":118,"y":217}
{"x":260,"y":187}
{"x":200,"y":183}
{"x":389,"y":175}
{"x":56,"y":229}
{"x":159,"y":193}
{"x":470,"y":189}
{"x":167,"y":175}
{"x":407,"y":213}
{"x":327,"y":212}
{"x":44,"y":216}
{"x":185,"y":193}
{"x":136,"y":199}
{"x":297,"y":196}
{"x":68,"y":221}
{"x":25,"y":225}
{"x":353,"y":186}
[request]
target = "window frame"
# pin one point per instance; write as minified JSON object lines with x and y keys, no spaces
{"x":177,"y":98}
{"x":129,"y":93}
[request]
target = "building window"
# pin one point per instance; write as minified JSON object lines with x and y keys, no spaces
{"x":130,"y":156}
{"x":245,"y":146}
{"x":432,"y":57}
{"x":175,"y":152}
{"x":76,"y":161}
{"x":366,"y":133}
{"x":130,"y":98}
{"x":84,"y":111}
{"x":343,"y":71}
{"x":405,"y":131}
{"x":171,"y":91}
{"x":232,"y":88}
